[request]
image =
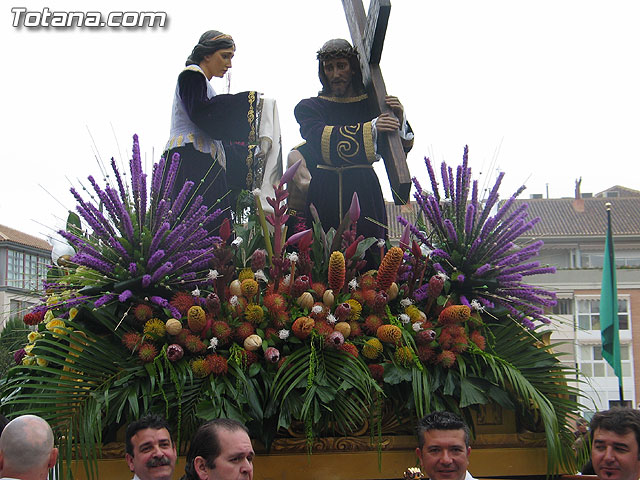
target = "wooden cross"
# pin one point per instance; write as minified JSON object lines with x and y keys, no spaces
{"x":367,"y":33}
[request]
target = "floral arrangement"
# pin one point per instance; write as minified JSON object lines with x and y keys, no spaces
{"x":165,"y":307}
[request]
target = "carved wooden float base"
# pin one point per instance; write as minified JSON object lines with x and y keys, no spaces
{"x":356,"y":458}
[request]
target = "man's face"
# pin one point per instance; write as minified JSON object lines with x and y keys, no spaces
{"x":235,"y":461}
{"x":154,"y":455}
{"x":444,"y":455}
{"x":339,"y":75}
{"x":614,"y":456}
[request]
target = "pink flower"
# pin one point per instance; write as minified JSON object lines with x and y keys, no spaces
{"x":272,"y":355}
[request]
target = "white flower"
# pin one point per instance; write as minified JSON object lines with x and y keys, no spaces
{"x":293,"y":257}
{"x":353,"y":284}
{"x":443,"y":276}
{"x":196,"y":292}
{"x":405,"y":302}
{"x":417,"y":326}
{"x":381,"y":242}
{"x":331,"y":320}
{"x":446,"y":201}
{"x":316,"y":309}
{"x":213,"y":274}
{"x":260,"y":276}
{"x":283,"y":334}
{"x":234,"y":301}
{"x":213,"y":343}
{"x":237,"y":242}
{"x":426,"y":251}
{"x":475,"y":305}
{"x":404,"y":318}
{"x":286,"y":280}
{"x":256,"y":192}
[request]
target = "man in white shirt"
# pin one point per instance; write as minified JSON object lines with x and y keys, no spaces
{"x":443,"y":446}
{"x":26,"y":449}
{"x":151,"y":453}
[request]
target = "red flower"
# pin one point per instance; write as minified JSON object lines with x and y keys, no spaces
{"x":350,"y":348}
{"x":147,"y":352}
{"x":217,"y":364}
{"x":142,"y":312}
{"x":377,"y":372}
{"x":33,"y":318}
{"x":182,"y":301}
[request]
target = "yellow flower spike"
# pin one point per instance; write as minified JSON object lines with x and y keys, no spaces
{"x":49,"y":316}
{"x":42,"y":362}
{"x":72,"y":313}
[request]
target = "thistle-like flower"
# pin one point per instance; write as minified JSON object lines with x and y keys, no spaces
{"x":475,"y":244}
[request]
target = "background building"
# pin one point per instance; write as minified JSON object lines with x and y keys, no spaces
{"x":574,"y":231}
{"x":23,"y":261}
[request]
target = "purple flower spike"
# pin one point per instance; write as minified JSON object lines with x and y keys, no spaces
{"x":126,"y":295}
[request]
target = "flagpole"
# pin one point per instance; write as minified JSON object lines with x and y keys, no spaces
{"x":613,"y":268}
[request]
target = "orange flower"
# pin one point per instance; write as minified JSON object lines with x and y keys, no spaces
{"x":389,"y":268}
{"x":454,"y":314}
{"x":389,"y":334}
{"x":336,"y":271}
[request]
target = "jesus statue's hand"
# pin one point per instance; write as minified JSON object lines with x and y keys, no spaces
{"x":387,"y":122}
{"x":396,"y":107}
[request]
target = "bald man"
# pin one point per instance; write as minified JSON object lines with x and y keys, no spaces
{"x":26,"y":449}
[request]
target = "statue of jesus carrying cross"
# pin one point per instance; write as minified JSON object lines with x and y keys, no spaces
{"x":345,"y":131}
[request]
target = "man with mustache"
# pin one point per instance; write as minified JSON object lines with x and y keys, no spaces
{"x":341,"y":134}
{"x":151,"y":453}
{"x":614,"y":449}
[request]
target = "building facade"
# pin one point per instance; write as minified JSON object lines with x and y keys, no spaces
{"x":23,"y":267}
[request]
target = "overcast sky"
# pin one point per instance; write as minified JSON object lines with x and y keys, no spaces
{"x":547,"y":91}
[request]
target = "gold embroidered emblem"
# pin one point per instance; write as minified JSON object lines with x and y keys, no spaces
{"x":251,"y":116}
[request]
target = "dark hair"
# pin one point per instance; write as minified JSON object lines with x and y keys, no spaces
{"x":205,"y":444}
{"x":210,"y":42}
{"x":339,"y":48}
{"x":148,"y":421}
{"x":441,"y":421}
{"x":619,"y":420}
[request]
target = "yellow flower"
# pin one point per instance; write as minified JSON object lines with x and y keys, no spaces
{"x":28,"y":360}
{"x":414,"y":313}
{"x":53,"y":300}
{"x":49,"y":316}
{"x":57,"y":326}
{"x":155,"y":327}
{"x":28,"y":348}
{"x":42,"y":362}
{"x":245,"y":274}
{"x":72,"y":313}
{"x":33,"y":336}
{"x":254,"y":313}
{"x":356,"y":309}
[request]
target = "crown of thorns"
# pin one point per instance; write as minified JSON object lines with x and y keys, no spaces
{"x":337,"y":49}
